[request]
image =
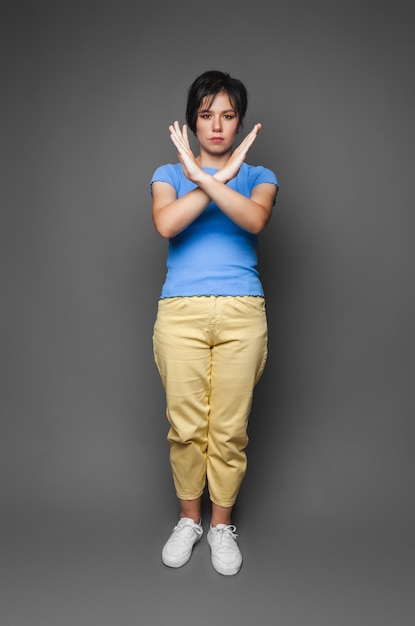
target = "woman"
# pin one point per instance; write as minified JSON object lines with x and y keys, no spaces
{"x":210,"y":335}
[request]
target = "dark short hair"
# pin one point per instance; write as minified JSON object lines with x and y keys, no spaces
{"x":210,"y":84}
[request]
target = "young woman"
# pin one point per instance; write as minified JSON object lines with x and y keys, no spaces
{"x":210,"y":335}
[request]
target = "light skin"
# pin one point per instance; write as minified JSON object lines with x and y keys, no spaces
{"x":171,"y":215}
{"x":216,"y":130}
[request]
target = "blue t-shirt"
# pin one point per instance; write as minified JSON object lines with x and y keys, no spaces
{"x":213,"y":255}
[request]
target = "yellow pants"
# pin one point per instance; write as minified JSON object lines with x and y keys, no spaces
{"x":210,"y":352}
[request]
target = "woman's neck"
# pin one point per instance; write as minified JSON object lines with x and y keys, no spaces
{"x":212,"y":161}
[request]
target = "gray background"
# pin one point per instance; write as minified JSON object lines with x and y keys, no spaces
{"x":326,"y":512}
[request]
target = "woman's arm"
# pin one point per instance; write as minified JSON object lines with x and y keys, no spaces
{"x":251,"y":214}
{"x":171,"y":215}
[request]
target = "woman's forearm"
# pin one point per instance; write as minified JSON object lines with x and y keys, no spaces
{"x":246,"y":213}
{"x":171,"y":219}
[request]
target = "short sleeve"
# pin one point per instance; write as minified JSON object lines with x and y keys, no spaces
{"x":261,"y":175}
{"x":165,"y":174}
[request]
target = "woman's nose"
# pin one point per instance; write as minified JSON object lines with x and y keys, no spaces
{"x":217,"y":125}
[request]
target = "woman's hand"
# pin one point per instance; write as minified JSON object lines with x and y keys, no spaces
{"x":192,"y":169}
{"x":172,"y":214}
{"x":238,"y":156}
{"x":179,"y":137}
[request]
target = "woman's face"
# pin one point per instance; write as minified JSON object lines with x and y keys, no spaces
{"x":217,"y":124}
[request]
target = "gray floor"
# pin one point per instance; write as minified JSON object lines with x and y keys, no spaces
{"x":85,"y":568}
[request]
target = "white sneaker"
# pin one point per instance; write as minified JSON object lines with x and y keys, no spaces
{"x":226,"y":556}
{"x":178,"y":548}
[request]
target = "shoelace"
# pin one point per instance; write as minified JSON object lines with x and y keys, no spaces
{"x":227,"y":535}
{"x":178,"y":535}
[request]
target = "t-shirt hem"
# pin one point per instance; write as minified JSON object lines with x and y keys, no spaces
{"x":216,"y":295}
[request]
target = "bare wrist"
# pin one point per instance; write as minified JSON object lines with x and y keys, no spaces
{"x":220,"y":177}
{"x":201,"y":178}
